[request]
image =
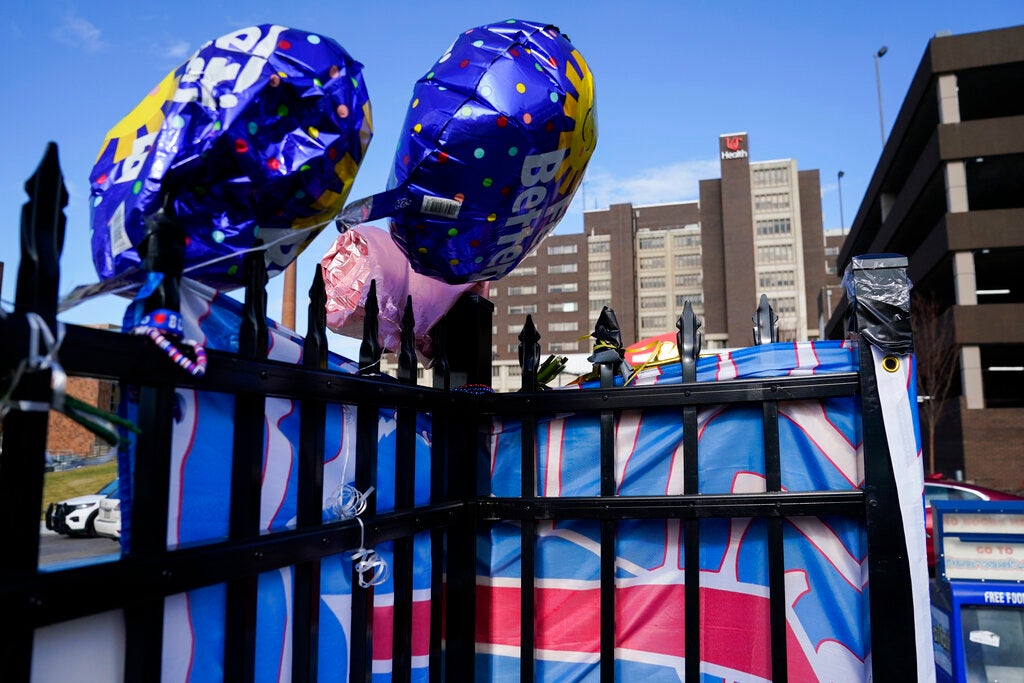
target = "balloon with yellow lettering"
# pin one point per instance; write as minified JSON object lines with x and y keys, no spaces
{"x":253,"y":143}
{"x":496,"y":139}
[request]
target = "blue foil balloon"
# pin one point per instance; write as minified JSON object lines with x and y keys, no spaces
{"x":495,"y":143}
{"x":257,"y":138}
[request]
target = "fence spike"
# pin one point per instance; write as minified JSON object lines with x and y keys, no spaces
{"x":688,"y":341}
{"x":42,"y":238}
{"x":252,"y":335}
{"x":314,"y":347}
{"x":407,"y":352}
{"x":529,"y":353}
{"x":163,"y":251}
{"x":439,"y":363}
{"x":766,"y":323}
{"x":369,"y":349}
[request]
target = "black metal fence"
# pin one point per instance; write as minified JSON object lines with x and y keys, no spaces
{"x":148,"y":571}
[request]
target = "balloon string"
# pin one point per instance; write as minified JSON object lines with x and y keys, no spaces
{"x":196,"y":368}
{"x":40,"y":339}
{"x":129,"y":286}
{"x":290,"y":235}
{"x":346,"y":502}
{"x":367,"y":561}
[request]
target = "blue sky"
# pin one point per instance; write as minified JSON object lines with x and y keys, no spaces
{"x":670,"y":76}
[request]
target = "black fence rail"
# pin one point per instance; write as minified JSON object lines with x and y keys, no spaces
{"x":148,"y":571}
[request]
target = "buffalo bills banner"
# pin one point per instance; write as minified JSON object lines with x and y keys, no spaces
{"x":194,"y":622}
{"x":826,"y":570}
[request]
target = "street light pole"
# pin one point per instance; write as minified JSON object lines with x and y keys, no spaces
{"x":878,"y":82}
{"x":842,"y":222}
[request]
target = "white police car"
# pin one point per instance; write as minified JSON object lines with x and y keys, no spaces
{"x":77,"y":516}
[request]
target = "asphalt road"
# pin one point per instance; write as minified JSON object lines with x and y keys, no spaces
{"x":58,"y":549}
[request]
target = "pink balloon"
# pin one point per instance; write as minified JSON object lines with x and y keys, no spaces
{"x":366,"y":253}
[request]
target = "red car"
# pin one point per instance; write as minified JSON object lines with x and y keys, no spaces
{"x":942,"y":489}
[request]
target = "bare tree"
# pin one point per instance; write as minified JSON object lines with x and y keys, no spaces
{"x":936,"y":352}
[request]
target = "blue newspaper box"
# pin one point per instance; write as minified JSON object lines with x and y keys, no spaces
{"x":977,"y":597}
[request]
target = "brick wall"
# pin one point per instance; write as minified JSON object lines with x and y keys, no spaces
{"x":66,"y":436}
{"x":994,"y":447}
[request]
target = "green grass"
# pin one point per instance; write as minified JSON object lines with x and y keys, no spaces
{"x":78,"y":482}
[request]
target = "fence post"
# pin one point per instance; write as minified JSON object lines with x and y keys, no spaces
{"x":246,"y":477}
{"x":468,"y":340}
{"x":529,"y":360}
{"x":879,"y":292}
{"x":305,"y":646}
{"x":608,"y":358}
{"x":688,"y":341}
{"x":361,"y":659}
{"x":465,"y":333}
{"x":766,"y":330}
{"x":145,"y":481}
{"x":21,"y":467}
{"x":440,"y":461}
{"x":405,"y":469}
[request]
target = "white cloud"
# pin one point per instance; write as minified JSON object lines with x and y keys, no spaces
{"x":672,"y":183}
{"x":80,"y":33}
{"x":178,"y":50}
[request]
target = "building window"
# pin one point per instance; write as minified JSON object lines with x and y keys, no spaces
{"x":775,"y":253}
{"x":776,"y":279}
{"x":690,"y":280}
{"x":602,"y":266}
{"x":515,"y":371}
{"x":777,"y":201}
{"x":695,"y":299}
{"x":771,"y":176}
{"x":559,"y":249}
{"x":520,"y":291}
{"x":600,"y":247}
{"x":561,"y":268}
{"x":652,"y":262}
{"x":774,"y":226}
{"x":652,"y":242}
{"x":656,"y":321}
{"x":684,"y":241}
{"x":513,"y":348}
{"x":598,"y":304}
{"x":652,"y":283}
{"x":601,"y":285}
{"x":523,"y":309}
{"x":524,"y":270}
{"x":831,"y":251}
{"x":784,"y":305}
{"x":652,"y":302}
{"x":687,"y":260}
{"x":564,"y":307}
{"x":563,"y":347}
{"x":571,"y":326}
{"x":563,"y":288}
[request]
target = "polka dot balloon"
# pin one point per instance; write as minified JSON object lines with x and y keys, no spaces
{"x":258,"y":136}
{"x":497,"y":137}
